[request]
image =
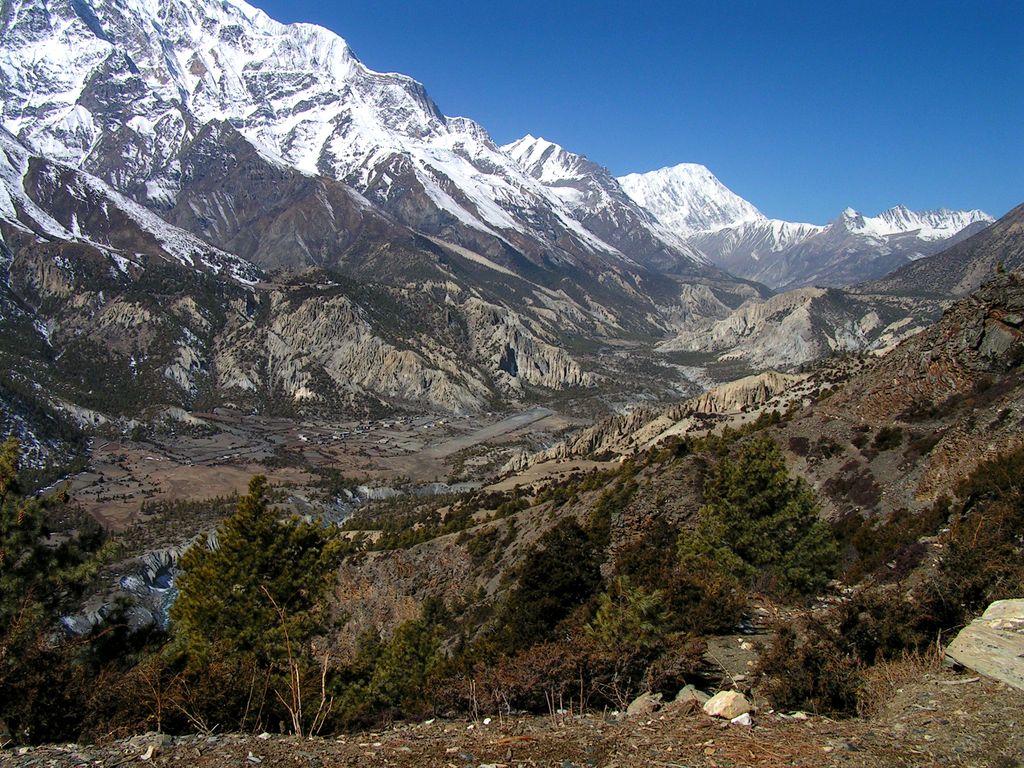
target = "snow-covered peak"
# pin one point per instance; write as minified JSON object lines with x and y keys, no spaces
{"x":932,"y":225}
{"x":689,"y":199}
{"x":596,"y":198}
{"x":546,"y":161}
{"x":927,"y":225}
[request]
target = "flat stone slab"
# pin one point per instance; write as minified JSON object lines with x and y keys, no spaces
{"x":993,"y":645}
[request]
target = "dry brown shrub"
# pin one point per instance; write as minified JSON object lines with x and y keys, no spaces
{"x":881,"y":682}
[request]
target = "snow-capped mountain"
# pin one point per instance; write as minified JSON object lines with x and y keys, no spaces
{"x":597,"y":200}
{"x":198,"y":201}
{"x":939,"y":224}
{"x":118,"y":88}
{"x":736,"y":236}
{"x":689,"y":199}
{"x":39,"y":197}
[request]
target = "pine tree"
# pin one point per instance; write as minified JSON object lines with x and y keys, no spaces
{"x":757,"y":521}
{"x":558,"y":575}
{"x":261,"y":587}
{"x":38,"y":578}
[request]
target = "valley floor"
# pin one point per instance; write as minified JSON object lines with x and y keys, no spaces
{"x":218,"y":452}
{"x":934,"y":718}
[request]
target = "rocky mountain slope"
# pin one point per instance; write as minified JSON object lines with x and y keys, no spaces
{"x":873,"y":434}
{"x":920,"y":418}
{"x":736,"y":236}
{"x":199,"y":205}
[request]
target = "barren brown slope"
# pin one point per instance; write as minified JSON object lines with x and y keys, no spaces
{"x":904,"y":431}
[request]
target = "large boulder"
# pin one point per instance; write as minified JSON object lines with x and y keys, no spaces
{"x":993,"y":645}
{"x":727,"y":705}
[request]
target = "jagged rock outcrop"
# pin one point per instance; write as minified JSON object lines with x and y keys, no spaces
{"x":321,"y":347}
{"x":642,"y":428}
{"x":747,"y":392}
{"x":802,"y":325}
{"x":515,"y":354}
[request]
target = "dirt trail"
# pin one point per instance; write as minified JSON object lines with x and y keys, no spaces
{"x":938,"y":719}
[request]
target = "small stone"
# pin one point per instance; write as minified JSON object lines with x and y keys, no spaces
{"x":727,"y":705}
{"x":644,"y":704}
{"x":263,"y":736}
{"x":253,"y":759}
{"x":743,"y":719}
{"x":691,"y":693}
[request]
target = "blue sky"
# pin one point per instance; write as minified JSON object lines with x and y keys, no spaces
{"x":803,"y":108}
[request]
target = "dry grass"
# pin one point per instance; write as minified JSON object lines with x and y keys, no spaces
{"x":883,"y":680}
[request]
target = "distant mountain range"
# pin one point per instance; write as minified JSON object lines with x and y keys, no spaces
{"x":736,"y":236}
{"x":202,"y":206}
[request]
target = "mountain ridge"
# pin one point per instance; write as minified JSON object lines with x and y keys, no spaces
{"x":736,"y":236}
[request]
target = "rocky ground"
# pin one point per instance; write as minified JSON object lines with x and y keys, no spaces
{"x":925,"y":716}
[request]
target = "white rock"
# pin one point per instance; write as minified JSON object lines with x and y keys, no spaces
{"x":727,"y":705}
{"x":993,"y":645}
{"x":743,"y":719}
